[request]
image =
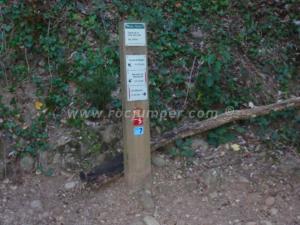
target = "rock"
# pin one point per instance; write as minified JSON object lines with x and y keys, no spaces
{"x":6,"y":181}
{"x":198,"y":34}
{"x":70,"y":162}
{"x":150,"y":220}
{"x":199,"y":143}
{"x":41,"y":63}
{"x":62,"y":141}
{"x":290,"y":166}
{"x":36,"y":204}
{"x":270,"y":201}
{"x":43,"y":215}
{"x":236,"y":221}
{"x":27,"y":163}
{"x":109,"y":134}
{"x":274,"y":211}
{"x":158,"y":160}
{"x":43,"y":159}
{"x":243,"y":179}
{"x":13,"y":187}
{"x":57,"y":159}
{"x":147,"y":201}
{"x":212,"y":178}
{"x":70,"y":185}
{"x":100,"y":159}
{"x":213,"y":195}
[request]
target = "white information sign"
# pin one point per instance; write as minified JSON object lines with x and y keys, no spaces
{"x":136,"y":77}
{"x":137,"y":93}
{"x":136,"y":62}
{"x":135,"y":34}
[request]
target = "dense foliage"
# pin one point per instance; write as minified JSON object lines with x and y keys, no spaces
{"x":202,"y":55}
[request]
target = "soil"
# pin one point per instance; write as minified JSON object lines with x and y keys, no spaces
{"x":219,"y":187}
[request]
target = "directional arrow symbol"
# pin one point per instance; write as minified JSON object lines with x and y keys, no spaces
{"x":137,"y":121}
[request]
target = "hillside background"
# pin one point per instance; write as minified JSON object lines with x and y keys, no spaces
{"x":56,"y":56}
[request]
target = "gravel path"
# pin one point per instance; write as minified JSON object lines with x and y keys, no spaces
{"x":230,"y":188}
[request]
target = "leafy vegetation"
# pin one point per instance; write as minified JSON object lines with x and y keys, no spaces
{"x":220,"y":135}
{"x":285,"y":132}
{"x":182,"y":148}
{"x":69,"y":51}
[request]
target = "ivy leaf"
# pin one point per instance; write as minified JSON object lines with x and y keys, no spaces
{"x":210,"y":81}
{"x":211,"y":59}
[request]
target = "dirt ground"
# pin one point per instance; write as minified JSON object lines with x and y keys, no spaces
{"x":220,"y":187}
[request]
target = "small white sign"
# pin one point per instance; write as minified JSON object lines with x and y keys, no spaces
{"x":135,"y":34}
{"x":136,"y":77}
{"x":136,"y":62}
{"x":137,"y":92}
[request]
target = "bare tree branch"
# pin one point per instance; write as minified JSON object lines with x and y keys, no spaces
{"x":190,"y":129}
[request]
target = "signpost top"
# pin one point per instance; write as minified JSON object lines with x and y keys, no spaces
{"x":135,"y":34}
{"x":134,"y":25}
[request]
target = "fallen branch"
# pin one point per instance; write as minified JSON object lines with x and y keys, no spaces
{"x":190,"y":129}
{"x":115,"y":166}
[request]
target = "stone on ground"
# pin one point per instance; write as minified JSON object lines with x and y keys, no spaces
{"x":197,"y":34}
{"x":199,"y":143}
{"x":70,"y":185}
{"x":36,"y":204}
{"x":27,"y":163}
{"x":274,"y":211}
{"x":108,"y":134}
{"x":158,"y":160}
{"x":270,"y":201}
{"x":147,"y":201}
{"x":150,"y":220}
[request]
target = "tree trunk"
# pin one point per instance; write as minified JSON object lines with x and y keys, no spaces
{"x":190,"y":129}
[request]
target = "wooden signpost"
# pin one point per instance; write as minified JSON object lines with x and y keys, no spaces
{"x":135,"y":103}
